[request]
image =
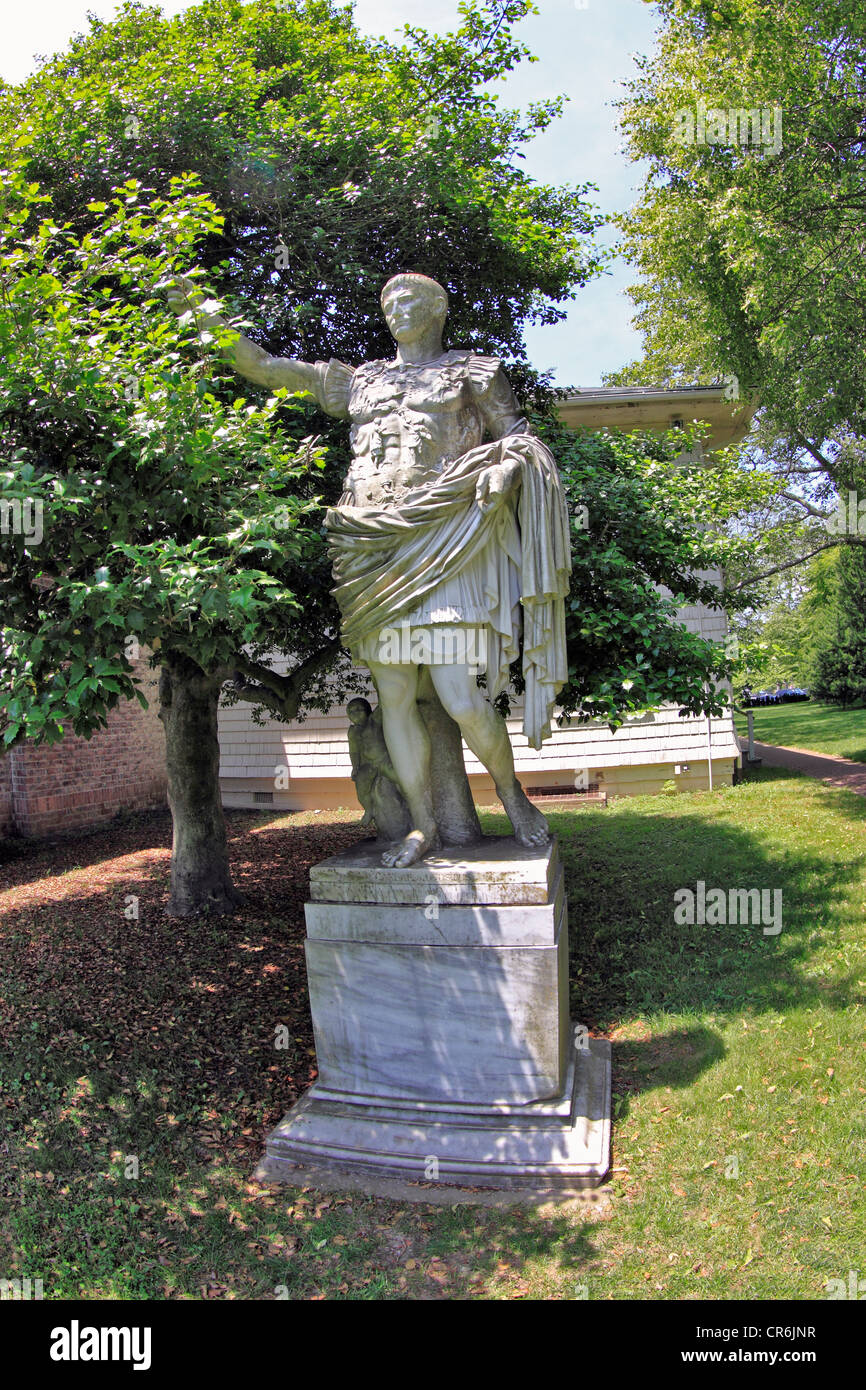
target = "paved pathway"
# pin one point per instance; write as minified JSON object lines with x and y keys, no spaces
{"x":836,"y":772}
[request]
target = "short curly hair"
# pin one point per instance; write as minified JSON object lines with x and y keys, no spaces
{"x":432,"y":289}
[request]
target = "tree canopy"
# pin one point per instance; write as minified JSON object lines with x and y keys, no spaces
{"x":749,"y":235}
{"x":748,"y":238}
{"x":167,"y":514}
{"x":335,"y":160}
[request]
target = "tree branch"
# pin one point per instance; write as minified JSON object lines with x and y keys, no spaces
{"x":801,"y":502}
{"x":281,"y":694}
{"x":816,"y":453}
{"x":789,"y":564}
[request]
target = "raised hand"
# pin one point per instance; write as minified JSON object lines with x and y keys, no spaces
{"x":183,"y":295}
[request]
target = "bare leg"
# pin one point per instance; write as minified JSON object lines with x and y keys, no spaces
{"x":486,"y":733}
{"x":409,"y":747}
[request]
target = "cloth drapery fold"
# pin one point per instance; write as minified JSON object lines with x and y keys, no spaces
{"x":386,"y":559}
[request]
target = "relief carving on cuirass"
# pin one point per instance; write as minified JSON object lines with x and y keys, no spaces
{"x":407,"y":423}
{"x":381,"y":386}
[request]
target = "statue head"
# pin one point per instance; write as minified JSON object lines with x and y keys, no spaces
{"x":359,"y":710}
{"x":412,"y":304}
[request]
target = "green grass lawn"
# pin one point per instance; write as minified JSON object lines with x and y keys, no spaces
{"x":819,"y":728}
{"x":739,"y":1077}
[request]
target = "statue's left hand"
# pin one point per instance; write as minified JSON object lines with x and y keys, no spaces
{"x":494,"y":485}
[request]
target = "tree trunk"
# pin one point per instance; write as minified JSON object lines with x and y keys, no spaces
{"x":453,"y":805}
{"x":200,"y":875}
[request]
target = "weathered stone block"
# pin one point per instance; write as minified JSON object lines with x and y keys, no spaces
{"x":439,"y":996}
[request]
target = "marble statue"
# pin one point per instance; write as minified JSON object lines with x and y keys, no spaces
{"x":373,"y":773}
{"x":451,"y":554}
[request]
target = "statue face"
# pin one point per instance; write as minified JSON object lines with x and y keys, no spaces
{"x":409,"y":313}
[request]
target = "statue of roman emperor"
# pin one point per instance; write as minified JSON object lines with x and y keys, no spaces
{"x":451,"y":554}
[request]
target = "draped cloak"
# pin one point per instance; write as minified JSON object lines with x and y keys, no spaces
{"x":391,"y":563}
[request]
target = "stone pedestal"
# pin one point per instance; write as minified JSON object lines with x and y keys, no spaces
{"x":439,"y":997}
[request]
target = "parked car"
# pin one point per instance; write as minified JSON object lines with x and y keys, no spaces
{"x":782,"y":695}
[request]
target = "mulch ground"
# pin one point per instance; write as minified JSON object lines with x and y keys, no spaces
{"x":87,"y":938}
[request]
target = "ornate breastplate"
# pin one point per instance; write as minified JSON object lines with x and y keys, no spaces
{"x":407,"y":423}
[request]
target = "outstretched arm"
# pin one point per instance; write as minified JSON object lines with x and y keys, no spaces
{"x":256,"y":365}
{"x":252,"y":362}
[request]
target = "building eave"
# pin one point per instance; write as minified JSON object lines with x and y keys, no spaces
{"x":657,"y":409}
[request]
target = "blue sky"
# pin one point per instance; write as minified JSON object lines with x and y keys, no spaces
{"x":584,"y":49}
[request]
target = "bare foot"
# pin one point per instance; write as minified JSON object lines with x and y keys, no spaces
{"x":410,"y":850}
{"x":530,"y":827}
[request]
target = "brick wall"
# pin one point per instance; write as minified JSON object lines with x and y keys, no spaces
{"x":6,"y":816}
{"x":81,"y":782}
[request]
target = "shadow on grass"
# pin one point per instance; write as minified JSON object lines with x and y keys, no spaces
{"x":630,"y":957}
{"x":675,"y":1059}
